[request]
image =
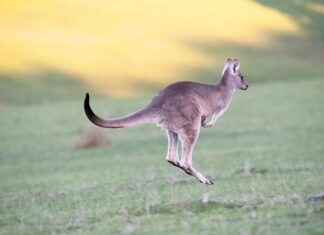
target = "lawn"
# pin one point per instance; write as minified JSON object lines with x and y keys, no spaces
{"x":48,"y":187}
{"x":265,"y":154}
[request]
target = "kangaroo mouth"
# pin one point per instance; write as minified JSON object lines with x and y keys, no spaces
{"x":245,"y":88}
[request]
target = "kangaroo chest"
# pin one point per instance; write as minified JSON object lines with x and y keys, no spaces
{"x":223,"y":105}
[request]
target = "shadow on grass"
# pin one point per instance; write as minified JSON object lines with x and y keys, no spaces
{"x":44,"y":85}
{"x":286,"y":57}
{"x":308,"y":14}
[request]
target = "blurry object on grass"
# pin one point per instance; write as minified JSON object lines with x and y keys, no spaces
{"x":205,"y":198}
{"x":315,"y":198}
{"x":91,"y":136}
{"x":248,"y":167}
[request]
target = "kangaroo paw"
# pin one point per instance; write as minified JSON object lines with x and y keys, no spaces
{"x":206,"y":181}
{"x":209,"y":182}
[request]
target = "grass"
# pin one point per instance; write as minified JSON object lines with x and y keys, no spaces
{"x":54,"y":51}
{"x":47,"y":187}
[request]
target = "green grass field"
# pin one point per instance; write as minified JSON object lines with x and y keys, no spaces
{"x":47,"y":187}
{"x":51,"y":58}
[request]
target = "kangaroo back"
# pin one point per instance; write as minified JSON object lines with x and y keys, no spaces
{"x":133,"y":119}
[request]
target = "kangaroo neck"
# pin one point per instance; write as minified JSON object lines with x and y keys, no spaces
{"x":227,"y":88}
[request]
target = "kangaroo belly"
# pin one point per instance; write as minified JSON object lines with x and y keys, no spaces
{"x":174,"y":117}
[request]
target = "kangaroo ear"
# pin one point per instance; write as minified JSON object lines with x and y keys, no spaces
{"x":226,"y":65}
{"x":235,"y":65}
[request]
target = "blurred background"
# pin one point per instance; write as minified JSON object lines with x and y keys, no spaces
{"x":265,"y":155}
{"x":58,"y":49}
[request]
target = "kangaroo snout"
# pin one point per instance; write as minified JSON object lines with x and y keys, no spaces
{"x":244,"y":88}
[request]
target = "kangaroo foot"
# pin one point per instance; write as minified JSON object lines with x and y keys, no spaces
{"x":191,"y":171}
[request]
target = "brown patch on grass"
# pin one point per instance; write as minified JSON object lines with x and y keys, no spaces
{"x":91,"y":136}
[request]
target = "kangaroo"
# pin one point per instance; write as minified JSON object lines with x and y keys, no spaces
{"x":182,"y":108}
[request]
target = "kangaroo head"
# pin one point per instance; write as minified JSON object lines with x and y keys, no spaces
{"x":231,"y":73}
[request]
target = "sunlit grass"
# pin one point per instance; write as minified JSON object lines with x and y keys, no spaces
{"x":114,"y":44}
{"x":316,"y":7}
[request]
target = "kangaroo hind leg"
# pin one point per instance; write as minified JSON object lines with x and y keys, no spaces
{"x":188,"y":139}
{"x":172,"y":154}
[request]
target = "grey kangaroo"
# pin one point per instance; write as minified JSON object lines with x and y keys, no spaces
{"x":181,"y":108}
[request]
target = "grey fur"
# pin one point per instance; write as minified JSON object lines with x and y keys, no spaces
{"x":181,"y":108}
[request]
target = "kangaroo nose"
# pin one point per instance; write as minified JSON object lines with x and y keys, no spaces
{"x":247,"y":86}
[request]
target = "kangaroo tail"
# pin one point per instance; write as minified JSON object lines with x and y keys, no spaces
{"x":133,"y":119}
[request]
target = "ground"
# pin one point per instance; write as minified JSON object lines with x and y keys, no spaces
{"x":265,"y":154}
{"x":47,"y":187}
